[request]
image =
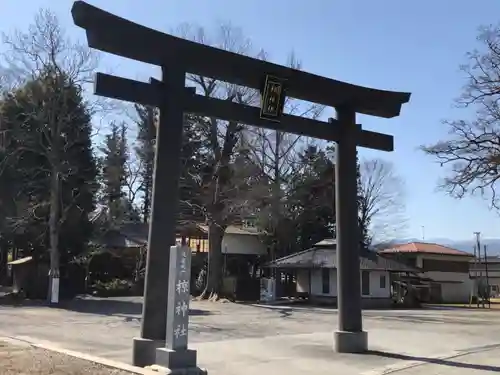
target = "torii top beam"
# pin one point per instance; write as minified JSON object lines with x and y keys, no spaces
{"x":113,"y":34}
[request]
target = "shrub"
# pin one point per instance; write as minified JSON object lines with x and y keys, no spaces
{"x":114,"y":287}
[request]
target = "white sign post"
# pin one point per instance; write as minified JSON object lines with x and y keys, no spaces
{"x":54,"y":295}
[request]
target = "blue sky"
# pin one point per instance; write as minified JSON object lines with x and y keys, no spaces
{"x":396,"y":45}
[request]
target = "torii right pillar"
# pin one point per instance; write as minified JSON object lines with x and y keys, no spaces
{"x":349,"y":337}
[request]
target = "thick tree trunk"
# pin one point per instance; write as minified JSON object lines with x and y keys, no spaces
{"x":139,"y":265}
{"x":147,"y":199}
{"x":4,"y":253}
{"x":53,"y":292}
{"x":213,"y":287}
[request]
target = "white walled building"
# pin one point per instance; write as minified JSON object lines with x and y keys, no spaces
{"x":237,"y":240}
{"x":316,"y":274}
{"x":488,"y":273}
{"x":447,"y":268}
{"x":241,"y":240}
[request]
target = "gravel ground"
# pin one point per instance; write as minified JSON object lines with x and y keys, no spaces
{"x":24,"y":360}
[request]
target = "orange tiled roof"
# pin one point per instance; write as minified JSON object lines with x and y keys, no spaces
{"x":423,"y":247}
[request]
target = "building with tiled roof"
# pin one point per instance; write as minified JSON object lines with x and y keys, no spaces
{"x":315,"y":273}
{"x":448,"y":268}
{"x":423,"y":248}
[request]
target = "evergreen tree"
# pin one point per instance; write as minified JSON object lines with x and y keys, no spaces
{"x":49,"y":130}
{"x":310,"y":201}
{"x":192,"y":160}
{"x":114,"y":174}
{"x":48,"y":149}
{"x":363,"y":217}
{"x":145,"y":152}
{"x":309,"y":204}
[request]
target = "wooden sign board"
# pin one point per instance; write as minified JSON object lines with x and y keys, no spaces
{"x":272,"y":99}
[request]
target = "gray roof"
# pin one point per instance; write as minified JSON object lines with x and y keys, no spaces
{"x":321,"y":257}
{"x":124,"y":239}
{"x":132,"y":235}
{"x":127,"y":235}
{"x":327,"y":242}
{"x":234,"y":229}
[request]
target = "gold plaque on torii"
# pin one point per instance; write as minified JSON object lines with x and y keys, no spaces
{"x":272,"y":99}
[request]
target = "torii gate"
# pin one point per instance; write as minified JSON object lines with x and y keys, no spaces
{"x":176,"y":57}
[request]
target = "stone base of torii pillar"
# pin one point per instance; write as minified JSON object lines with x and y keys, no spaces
{"x":350,"y":342}
{"x":185,"y":371}
{"x":178,"y":362}
{"x":144,"y":351}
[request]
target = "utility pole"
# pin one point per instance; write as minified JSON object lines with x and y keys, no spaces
{"x":487,"y":277}
{"x":478,"y":247}
{"x":473,"y":274}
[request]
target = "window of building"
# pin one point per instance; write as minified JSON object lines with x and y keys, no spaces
{"x":445,"y":266}
{"x":325,"y":280}
{"x":365,"y":283}
{"x":382,"y":282}
{"x":249,"y":224}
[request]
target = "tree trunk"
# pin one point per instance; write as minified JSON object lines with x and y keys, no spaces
{"x":139,"y":265}
{"x":53,"y":293}
{"x":147,"y":199}
{"x":214,"y":279}
{"x":4,"y":253}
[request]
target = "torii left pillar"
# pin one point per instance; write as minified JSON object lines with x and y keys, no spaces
{"x":163,"y":216}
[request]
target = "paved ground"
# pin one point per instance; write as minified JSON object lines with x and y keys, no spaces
{"x":484,"y":362}
{"x":237,"y":339}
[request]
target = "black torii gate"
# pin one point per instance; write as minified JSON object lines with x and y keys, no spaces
{"x":176,"y":57}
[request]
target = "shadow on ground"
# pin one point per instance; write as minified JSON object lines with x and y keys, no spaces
{"x":112,"y":307}
{"x":100,"y":306}
{"x":284,"y":311}
{"x":11,"y":301}
{"x":324,"y":307}
{"x":493,"y":306}
{"x":435,"y":361}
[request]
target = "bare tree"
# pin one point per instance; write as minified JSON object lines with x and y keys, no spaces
{"x":45,"y":46}
{"x":472,"y":152}
{"x":226,"y":178}
{"x":140,"y":264}
{"x":381,"y":203}
{"x":133,"y":182}
{"x":277,"y":153}
{"x":45,"y":53}
{"x":145,"y":118}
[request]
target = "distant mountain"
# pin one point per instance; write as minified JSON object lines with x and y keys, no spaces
{"x":492,"y":244}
